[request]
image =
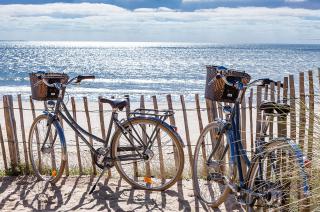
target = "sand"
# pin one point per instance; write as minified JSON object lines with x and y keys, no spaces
{"x":71,"y":194}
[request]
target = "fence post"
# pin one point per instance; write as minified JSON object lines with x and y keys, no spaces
{"x":23,"y":134}
{"x":302,"y":111}
{"x":11,"y":132}
{"x":292,"y":109}
{"x":285,"y":100}
{"x":85,"y":102}
{"x":3,"y":151}
{"x":251,"y":122}
{"x":258,"y":121}
{"x":311,"y":115}
{"x":74,"y":114}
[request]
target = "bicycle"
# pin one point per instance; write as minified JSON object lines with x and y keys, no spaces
{"x":135,"y":147}
{"x":276,"y":178}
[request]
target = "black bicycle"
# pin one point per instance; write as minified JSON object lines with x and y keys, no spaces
{"x":276,"y":179}
{"x":137,"y":145}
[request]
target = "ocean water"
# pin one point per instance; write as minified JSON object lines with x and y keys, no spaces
{"x":145,"y":68}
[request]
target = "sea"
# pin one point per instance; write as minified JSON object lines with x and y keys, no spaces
{"x":145,"y":68}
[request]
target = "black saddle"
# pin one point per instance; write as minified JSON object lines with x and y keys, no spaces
{"x":115,"y":103}
{"x":272,"y":107}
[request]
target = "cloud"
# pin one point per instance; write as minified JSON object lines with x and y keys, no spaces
{"x":90,"y":21}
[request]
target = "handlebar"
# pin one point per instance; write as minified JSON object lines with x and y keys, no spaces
{"x":76,"y":79}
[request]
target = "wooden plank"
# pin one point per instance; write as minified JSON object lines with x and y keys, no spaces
{"x":37,"y":133}
{"x":302,"y":110}
{"x":311,"y":116}
{"x":23,"y":134}
{"x":283,"y":120}
{"x":251,"y":122}
{"x":279,"y":119}
{"x":203,"y":147}
{"x":258,"y":119}
{"x":3,"y":149}
{"x":74,"y":114}
{"x":134,"y":164}
{"x":272,"y":98}
{"x":11,"y":134}
{"x":243,"y":129}
{"x":102,"y":127}
{"x":85,"y":102}
{"x":187,"y":133}
{"x":144,"y":138}
{"x":173,"y":122}
{"x":161,"y":159}
{"x":293,"y":134}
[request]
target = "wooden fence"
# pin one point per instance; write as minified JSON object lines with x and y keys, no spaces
{"x":190,"y":118}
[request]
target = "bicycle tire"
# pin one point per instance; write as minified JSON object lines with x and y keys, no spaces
{"x":205,"y":188}
{"x":49,"y":174}
{"x":277,"y":156}
{"x":159,"y":180}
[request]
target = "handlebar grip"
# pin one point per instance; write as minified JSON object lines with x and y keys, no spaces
{"x":82,"y":77}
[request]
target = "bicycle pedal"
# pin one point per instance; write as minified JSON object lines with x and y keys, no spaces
{"x":215,"y":176}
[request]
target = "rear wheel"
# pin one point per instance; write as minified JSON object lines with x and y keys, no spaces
{"x":142,"y":167}
{"x":47,"y":154}
{"x":211,"y":165}
{"x":280,"y":177}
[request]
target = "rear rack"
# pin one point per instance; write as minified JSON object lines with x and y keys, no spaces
{"x":161,"y":114}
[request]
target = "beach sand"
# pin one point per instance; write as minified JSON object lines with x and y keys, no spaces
{"x":71,"y":194}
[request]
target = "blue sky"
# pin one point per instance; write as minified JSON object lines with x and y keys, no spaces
{"x":212,"y":21}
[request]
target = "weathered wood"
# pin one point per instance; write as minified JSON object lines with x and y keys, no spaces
{"x":243,"y":128}
{"x":134,"y":164}
{"x":292,"y":108}
{"x":279,"y":119}
{"x":37,"y":133}
{"x":144,"y":137}
{"x":251,"y":122}
{"x":161,"y":160}
{"x":74,"y":114}
{"x":23,"y":134}
{"x":203,"y":146}
{"x":187,"y":133}
{"x":86,"y":109}
{"x":11,"y":131}
{"x":271,"y":118}
{"x":258,"y":118}
{"x":311,"y":116}
{"x":302,"y":110}
{"x":285,"y":100}
{"x":173,"y":122}
{"x":3,"y":149}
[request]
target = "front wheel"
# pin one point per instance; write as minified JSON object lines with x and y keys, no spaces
{"x":46,"y":151}
{"x":278,"y":176}
{"x":212,"y":165}
{"x":156,"y":167}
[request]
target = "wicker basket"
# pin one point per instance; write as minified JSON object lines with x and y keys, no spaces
{"x":218,"y":90}
{"x":41,"y":91}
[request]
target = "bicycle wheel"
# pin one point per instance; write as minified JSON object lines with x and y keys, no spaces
{"x":48,"y":158}
{"x":211,"y":164}
{"x":278,"y":174}
{"x":141,"y":167}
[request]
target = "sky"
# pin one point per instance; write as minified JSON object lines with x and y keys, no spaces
{"x":201,"y":21}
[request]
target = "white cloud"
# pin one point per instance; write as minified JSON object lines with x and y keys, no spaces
{"x":87,"y":21}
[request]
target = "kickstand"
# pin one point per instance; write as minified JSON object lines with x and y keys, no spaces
{"x":94,"y":186}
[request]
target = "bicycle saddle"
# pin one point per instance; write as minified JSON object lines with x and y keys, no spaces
{"x":271,"y":107}
{"x":115,"y":103}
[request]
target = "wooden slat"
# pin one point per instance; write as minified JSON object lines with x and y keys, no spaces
{"x":251,"y":121}
{"x":134,"y":164}
{"x":144,"y":138}
{"x":311,"y":116}
{"x":23,"y":134}
{"x":302,"y":111}
{"x":37,"y":133}
{"x":85,"y":102}
{"x":187,"y":133}
{"x":279,"y":119}
{"x":161,"y":160}
{"x":272,"y":98}
{"x":10,"y":128}
{"x":293,"y":134}
{"x":173,"y":122}
{"x":74,"y":114}
{"x":285,"y":100}
{"x":258,"y":119}
{"x":203,"y":147}
{"x":243,"y":128}
{"x":3,"y":149}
